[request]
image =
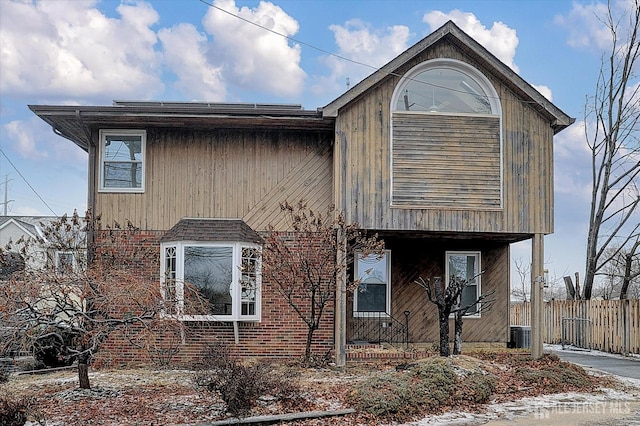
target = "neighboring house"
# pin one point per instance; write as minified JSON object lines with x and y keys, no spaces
{"x":18,"y":231}
{"x":445,"y":152}
{"x":13,"y":230}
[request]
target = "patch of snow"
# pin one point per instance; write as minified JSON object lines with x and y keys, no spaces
{"x":538,"y":407}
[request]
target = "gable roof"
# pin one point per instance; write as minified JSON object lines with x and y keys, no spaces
{"x":211,"y":229}
{"x":27,"y":228}
{"x":453,"y":34}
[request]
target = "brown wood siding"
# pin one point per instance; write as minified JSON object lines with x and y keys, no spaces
{"x":363,"y":166}
{"x":225,"y":174}
{"x":414,"y":258}
{"x":446,"y":161}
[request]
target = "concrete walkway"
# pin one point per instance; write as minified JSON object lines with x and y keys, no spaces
{"x":594,"y":411}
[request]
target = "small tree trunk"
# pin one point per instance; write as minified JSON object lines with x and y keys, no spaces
{"x":307,"y":349}
{"x":457,"y":336}
{"x":83,"y":375}
{"x":444,"y":335}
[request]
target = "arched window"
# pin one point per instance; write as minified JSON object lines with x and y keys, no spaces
{"x":446,"y":138}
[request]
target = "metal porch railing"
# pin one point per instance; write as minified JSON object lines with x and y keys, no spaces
{"x":379,"y":327}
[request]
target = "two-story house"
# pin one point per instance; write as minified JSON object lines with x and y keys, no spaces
{"x":445,"y":152}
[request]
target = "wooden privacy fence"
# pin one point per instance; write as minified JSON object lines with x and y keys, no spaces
{"x":613,"y":325}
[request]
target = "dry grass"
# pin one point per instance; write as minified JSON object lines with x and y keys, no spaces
{"x":169,"y":397}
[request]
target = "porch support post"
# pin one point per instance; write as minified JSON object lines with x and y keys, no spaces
{"x":537,"y":291}
{"x":340,"y":314}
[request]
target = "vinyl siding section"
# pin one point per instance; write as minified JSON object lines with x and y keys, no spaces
{"x":225,"y":174}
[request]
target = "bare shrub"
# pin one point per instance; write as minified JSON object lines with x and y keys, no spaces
{"x":14,"y":411}
{"x":400,"y":395}
{"x":240,"y":385}
{"x":5,"y":372}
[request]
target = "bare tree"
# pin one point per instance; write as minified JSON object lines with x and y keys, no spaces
{"x":461,"y":310}
{"x":69,"y":308}
{"x":614,"y":111}
{"x":523,"y":286}
{"x":302,"y":263}
{"x":631,"y":270}
{"x":447,"y":299}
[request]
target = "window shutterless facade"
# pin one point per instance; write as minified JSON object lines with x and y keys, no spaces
{"x":466,"y":266}
{"x":122,"y":160}
{"x":373,"y":294}
{"x":225,"y":276}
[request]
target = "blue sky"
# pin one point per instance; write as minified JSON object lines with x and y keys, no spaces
{"x":92,"y":52}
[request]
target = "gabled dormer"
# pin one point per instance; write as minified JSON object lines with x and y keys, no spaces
{"x":446,"y":138}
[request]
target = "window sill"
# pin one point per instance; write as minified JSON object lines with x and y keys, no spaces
{"x":211,"y":318}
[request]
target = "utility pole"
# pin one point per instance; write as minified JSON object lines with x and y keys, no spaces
{"x":6,"y":193}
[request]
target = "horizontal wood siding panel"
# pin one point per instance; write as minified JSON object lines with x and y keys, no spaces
{"x":446,"y":161}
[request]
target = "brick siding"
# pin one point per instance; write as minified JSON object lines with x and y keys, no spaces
{"x":280,"y":334}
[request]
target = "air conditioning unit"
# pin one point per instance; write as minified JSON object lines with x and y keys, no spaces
{"x":520,"y":336}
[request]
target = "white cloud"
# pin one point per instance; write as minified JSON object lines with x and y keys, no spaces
{"x":368,"y":47}
{"x":586,"y":23}
{"x":70,"y":48}
{"x":34,"y":140}
{"x":585,"y":27}
{"x":24,"y":140}
{"x":544,"y":91}
{"x":185,"y":53}
{"x":252,"y":57}
{"x":572,"y":162}
{"x":499,"y":39}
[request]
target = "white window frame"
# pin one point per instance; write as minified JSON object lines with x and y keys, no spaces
{"x":476,"y":273}
{"x":235,"y":287}
{"x":464,"y":68}
{"x":104,"y":133}
{"x":358,"y":274}
{"x":452,"y":64}
{"x":58,"y":266}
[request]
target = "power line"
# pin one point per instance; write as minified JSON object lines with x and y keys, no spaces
{"x":344,"y":58}
{"x":288,"y":37}
{"x":27,"y":182}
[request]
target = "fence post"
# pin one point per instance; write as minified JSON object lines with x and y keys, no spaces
{"x":626,"y":334}
{"x":406,"y":329}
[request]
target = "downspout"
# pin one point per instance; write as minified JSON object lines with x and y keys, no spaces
{"x":340,"y":309}
{"x":91,"y":186}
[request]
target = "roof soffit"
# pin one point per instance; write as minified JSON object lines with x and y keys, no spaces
{"x":77,"y":123}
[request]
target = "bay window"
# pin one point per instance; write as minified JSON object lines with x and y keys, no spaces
{"x":211,"y":281}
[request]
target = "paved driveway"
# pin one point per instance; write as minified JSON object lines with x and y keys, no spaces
{"x":613,"y":364}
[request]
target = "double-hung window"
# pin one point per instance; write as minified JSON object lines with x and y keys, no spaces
{"x":122,"y":160}
{"x":373,"y":295}
{"x":212,"y":281}
{"x":466,"y":266}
